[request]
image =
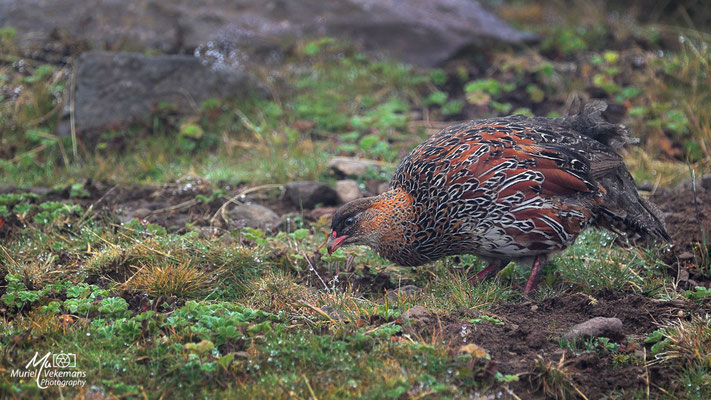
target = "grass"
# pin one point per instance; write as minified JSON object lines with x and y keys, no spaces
{"x":554,"y":380}
{"x":153,"y":313}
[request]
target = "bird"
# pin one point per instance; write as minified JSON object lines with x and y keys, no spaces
{"x":504,"y":189}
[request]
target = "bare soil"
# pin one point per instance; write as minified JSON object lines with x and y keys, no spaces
{"x":687,"y":214}
{"x":532,"y":330}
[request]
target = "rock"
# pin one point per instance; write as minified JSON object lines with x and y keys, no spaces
{"x":347,"y":190}
{"x":253,"y":216}
{"x":350,"y":167}
{"x":421,"y":32}
{"x":416,"y":314}
{"x":127,"y":215}
{"x":114,"y":89}
{"x":595,"y":327}
{"x":706,"y":181}
{"x":308,"y":194}
{"x":404,"y":291}
{"x":688,"y":185}
{"x":322,"y":212}
{"x":335,"y":314}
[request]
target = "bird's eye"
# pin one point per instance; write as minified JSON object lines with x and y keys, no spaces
{"x":349,"y":221}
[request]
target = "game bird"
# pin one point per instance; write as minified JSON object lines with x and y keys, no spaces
{"x":503,"y":189}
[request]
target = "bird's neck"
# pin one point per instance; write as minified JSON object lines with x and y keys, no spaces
{"x":391,"y":216}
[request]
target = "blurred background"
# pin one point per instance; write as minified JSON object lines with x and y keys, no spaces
{"x":165,"y":88}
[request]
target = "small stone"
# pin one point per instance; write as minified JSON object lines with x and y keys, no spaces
{"x":350,"y":167}
{"x":595,"y":327}
{"x":253,"y":216}
{"x":323,"y":212}
{"x":416,"y":314}
{"x":476,"y":351}
{"x":334,"y":313}
{"x":706,"y":181}
{"x":404,"y":291}
{"x":308,"y":194}
{"x":138,"y":213}
{"x":534,"y":308}
{"x":347,"y":190}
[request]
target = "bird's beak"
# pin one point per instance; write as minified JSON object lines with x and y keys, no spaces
{"x":334,"y":242}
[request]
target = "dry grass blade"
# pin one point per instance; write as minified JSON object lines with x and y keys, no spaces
{"x":689,"y":343}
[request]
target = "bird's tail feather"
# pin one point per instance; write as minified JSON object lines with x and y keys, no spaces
{"x":623,"y":209}
{"x":590,"y":122}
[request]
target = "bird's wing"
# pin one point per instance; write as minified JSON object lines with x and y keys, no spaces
{"x":536,"y":192}
{"x":493,"y":151}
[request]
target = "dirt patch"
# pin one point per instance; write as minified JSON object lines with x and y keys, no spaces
{"x":533,"y":329}
{"x":688,"y":219}
{"x":686,"y":214}
{"x":172,"y":206}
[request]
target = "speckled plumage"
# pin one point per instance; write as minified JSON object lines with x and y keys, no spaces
{"x":505,"y":189}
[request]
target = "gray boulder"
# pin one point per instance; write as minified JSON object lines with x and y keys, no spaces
{"x":596,"y":327}
{"x":113,"y":89}
{"x":350,"y":167}
{"x":253,"y":216}
{"x":421,"y":32}
{"x":347,"y":190}
{"x":308,"y":194}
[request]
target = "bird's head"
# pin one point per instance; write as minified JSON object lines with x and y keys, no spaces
{"x":351,"y":225}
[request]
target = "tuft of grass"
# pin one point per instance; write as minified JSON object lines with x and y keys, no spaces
{"x":554,"y":379}
{"x":594,"y":263}
{"x":172,"y":279}
{"x":687,"y":346}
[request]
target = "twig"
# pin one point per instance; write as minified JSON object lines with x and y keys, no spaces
{"x":72,"y":118}
{"x":317,"y":309}
{"x":308,"y":385}
{"x":47,"y":116}
{"x":102,"y":239}
{"x":49,"y":136}
{"x":8,"y":256}
{"x":252,"y":128}
{"x":312,"y":268}
{"x":91,"y":207}
{"x":646,"y":371}
{"x":104,"y":195}
{"x":30,"y":152}
{"x":188,"y":203}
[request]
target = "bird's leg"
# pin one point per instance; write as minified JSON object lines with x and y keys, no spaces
{"x":533,"y":278}
{"x":484,"y":273}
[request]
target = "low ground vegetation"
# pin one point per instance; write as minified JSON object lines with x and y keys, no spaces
{"x":174,"y":304}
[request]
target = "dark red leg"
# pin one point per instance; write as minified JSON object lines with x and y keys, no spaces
{"x":484,"y":273}
{"x":533,"y":278}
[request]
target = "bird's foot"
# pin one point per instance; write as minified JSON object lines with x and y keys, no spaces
{"x":483,"y":274}
{"x":533,"y":278}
